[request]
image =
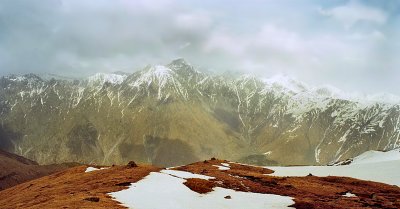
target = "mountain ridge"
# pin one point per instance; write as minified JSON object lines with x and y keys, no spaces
{"x":175,"y":108}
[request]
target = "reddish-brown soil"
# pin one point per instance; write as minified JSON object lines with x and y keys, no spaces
{"x":309,"y":192}
{"x":15,"y":169}
{"x":74,"y":188}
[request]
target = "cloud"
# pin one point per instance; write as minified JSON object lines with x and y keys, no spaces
{"x":354,"y":12}
{"x":75,"y":37}
{"x":278,"y":49}
{"x":193,"y":21}
{"x":88,"y":36}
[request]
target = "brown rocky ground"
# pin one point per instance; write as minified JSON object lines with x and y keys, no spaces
{"x":74,"y":188}
{"x":15,"y":169}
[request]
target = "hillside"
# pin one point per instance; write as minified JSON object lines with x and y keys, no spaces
{"x":174,"y":114}
{"x":208,"y":184}
{"x":15,"y":169}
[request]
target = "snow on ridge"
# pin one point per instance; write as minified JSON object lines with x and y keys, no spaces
{"x":17,"y":78}
{"x":372,"y":165}
{"x":386,"y":172}
{"x":377,"y":156}
{"x":290,"y":85}
{"x":384,"y":97}
{"x":50,"y":76}
{"x":31,"y":78}
{"x":158,"y":73}
{"x":162,"y":73}
{"x":285,"y":82}
{"x":163,"y":77}
{"x":102,"y":78}
{"x":161,"y":190}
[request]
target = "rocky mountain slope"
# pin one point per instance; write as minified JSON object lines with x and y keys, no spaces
{"x":175,"y":114}
{"x":210,"y":183}
{"x":15,"y":169}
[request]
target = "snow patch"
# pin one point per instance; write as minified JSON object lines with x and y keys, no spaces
{"x":101,"y":78}
{"x":226,"y":165}
{"x":17,"y":78}
{"x":222,"y":168}
{"x":349,"y":194}
{"x":377,"y":156}
{"x":161,"y":190}
{"x":163,"y":77}
{"x":90,"y":169}
{"x":185,"y":175}
{"x":268,"y":153}
{"x":285,"y":83}
{"x":372,"y":166}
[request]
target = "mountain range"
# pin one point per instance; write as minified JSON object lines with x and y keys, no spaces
{"x":175,"y":114}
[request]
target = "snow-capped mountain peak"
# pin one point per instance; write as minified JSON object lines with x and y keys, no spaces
{"x":160,"y":77}
{"x":179,"y":63}
{"x":153,"y":74}
{"x":384,"y":98}
{"x":328,"y":91}
{"x":101,"y":78}
{"x":285,"y":83}
{"x":161,"y":71}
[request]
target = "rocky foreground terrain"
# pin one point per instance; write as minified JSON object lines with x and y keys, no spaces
{"x":174,"y":114}
{"x":210,"y":184}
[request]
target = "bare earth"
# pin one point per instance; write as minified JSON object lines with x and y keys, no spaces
{"x":74,"y":188}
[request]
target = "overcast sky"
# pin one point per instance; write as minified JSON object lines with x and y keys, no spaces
{"x":353,"y":45}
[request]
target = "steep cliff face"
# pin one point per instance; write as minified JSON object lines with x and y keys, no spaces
{"x":174,"y":114}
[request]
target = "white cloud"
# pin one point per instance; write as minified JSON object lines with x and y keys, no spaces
{"x":276,"y":47}
{"x":193,"y":21}
{"x":375,"y":35}
{"x":83,"y":37}
{"x":353,"y":12}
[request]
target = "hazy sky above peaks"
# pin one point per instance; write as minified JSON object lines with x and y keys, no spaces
{"x":353,"y":45}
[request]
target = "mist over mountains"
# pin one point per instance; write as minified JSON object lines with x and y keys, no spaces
{"x":174,"y":114}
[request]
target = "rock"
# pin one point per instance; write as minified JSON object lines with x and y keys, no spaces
{"x":213,"y":158}
{"x":204,"y":171}
{"x":288,"y":186}
{"x":92,"y":199}
{"x":125,"y":184}
{"x":373,"y":196}
{"x":228,"y":197}
{"x":132,"y":164}
{"x":309,"y":174}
